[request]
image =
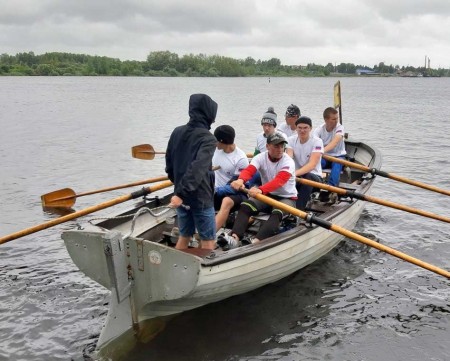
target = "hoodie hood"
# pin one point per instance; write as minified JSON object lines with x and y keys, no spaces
{"x":202,"y":111}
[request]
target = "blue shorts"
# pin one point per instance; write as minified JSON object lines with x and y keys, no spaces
{"x":202,"y":219}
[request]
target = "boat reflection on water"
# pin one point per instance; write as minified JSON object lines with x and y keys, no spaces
{"x":123,"y":346}
{"x":57,"y":211}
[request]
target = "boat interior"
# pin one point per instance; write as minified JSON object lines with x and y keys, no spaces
{"x":164,"y":229}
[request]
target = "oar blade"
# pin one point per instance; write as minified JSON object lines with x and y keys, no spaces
{"x":143,"y":151}
{"x":64,"y":198}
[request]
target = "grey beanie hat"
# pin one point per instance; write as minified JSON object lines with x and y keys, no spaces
{"x":269,"y":117}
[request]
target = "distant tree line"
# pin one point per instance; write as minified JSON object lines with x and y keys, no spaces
{"x":166,"y":63}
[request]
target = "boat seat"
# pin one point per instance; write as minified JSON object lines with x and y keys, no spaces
{"x":348,"y":186}
{"x":344,"y":171}
{"x":289,"y":221}
{"x":265,"y":216}
{"x":261,"y":217}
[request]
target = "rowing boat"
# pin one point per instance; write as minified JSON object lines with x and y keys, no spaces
{"x":133,"y":255}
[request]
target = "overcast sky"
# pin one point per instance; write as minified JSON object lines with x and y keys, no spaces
{"x":299,"y":32}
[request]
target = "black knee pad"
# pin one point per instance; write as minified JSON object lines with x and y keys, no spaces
{"x":278,"y":213}
{"x":248,"y":208}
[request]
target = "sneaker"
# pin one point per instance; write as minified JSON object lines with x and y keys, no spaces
{"x":246,"y":241}
{"x":226,"y":242}
{"x":333,"y":198}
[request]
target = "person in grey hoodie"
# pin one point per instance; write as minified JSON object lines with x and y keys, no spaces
{"x":188,"y":165}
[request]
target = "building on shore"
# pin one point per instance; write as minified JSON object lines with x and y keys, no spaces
{"x":366,"y":72}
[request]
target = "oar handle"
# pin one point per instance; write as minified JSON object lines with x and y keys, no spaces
{"x":85,"y":211}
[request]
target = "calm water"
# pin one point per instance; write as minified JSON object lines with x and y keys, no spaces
{"x":354,"y":304}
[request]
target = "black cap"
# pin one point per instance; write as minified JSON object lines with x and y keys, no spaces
{"x":304,"y":120}
{"x":276,"y":138}
{"x":225,"y":134}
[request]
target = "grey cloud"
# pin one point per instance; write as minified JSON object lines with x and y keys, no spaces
{"x":401,"y":9}
{"x":296,"y":31}
{"x":188,"y":16}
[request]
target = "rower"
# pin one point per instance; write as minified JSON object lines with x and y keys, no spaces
{"x":278,"y":182}
{"x":332,"y":134}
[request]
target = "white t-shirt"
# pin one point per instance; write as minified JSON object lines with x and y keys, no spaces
{"x":261,"y":141}
{"x":230,"y":164}
{"x":327,"y":137}
{"x":286,"y":129}
{"x":302,"y":152}
{"x":269,"y":170}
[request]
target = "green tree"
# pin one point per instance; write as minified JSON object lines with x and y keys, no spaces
{"x":27,"y":59}
{"x":329,"y":67}
{"x":249,"y":61}
{"x":45,"y":69}
{"x":189,"y":63}
{"x":158,"y":60}
{"x":346,"y":68}
{"x":165,"y":63}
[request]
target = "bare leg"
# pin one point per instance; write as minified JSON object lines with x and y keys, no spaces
{"x":209,"y":244}
{"x":183,"y":242}
{"x":224,"y":211}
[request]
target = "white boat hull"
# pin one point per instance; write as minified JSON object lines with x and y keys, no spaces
{"x":245,"y":274}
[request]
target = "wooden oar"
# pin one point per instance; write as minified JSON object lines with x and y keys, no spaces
{"x":386,"y":175}
{"x":355,"y":236}
{"x":66,"y":197}
{"x":85,"y":211}
{"x":367,"y":198}
{"x":147,"y":152}
{"x":144,"y":151}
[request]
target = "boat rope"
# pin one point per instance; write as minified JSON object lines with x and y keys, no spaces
{"x":133,"y":222}
{"x":104,"y":218}
{"x":154,"y":212}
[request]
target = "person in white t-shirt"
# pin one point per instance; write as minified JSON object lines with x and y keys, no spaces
{"x":292,"y":114}
{"x":278,"y":182}
{"x":231,"y":160}
{"x":269,"y":125}
{"x":306,"y":150}
{"x":332,"y":135}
